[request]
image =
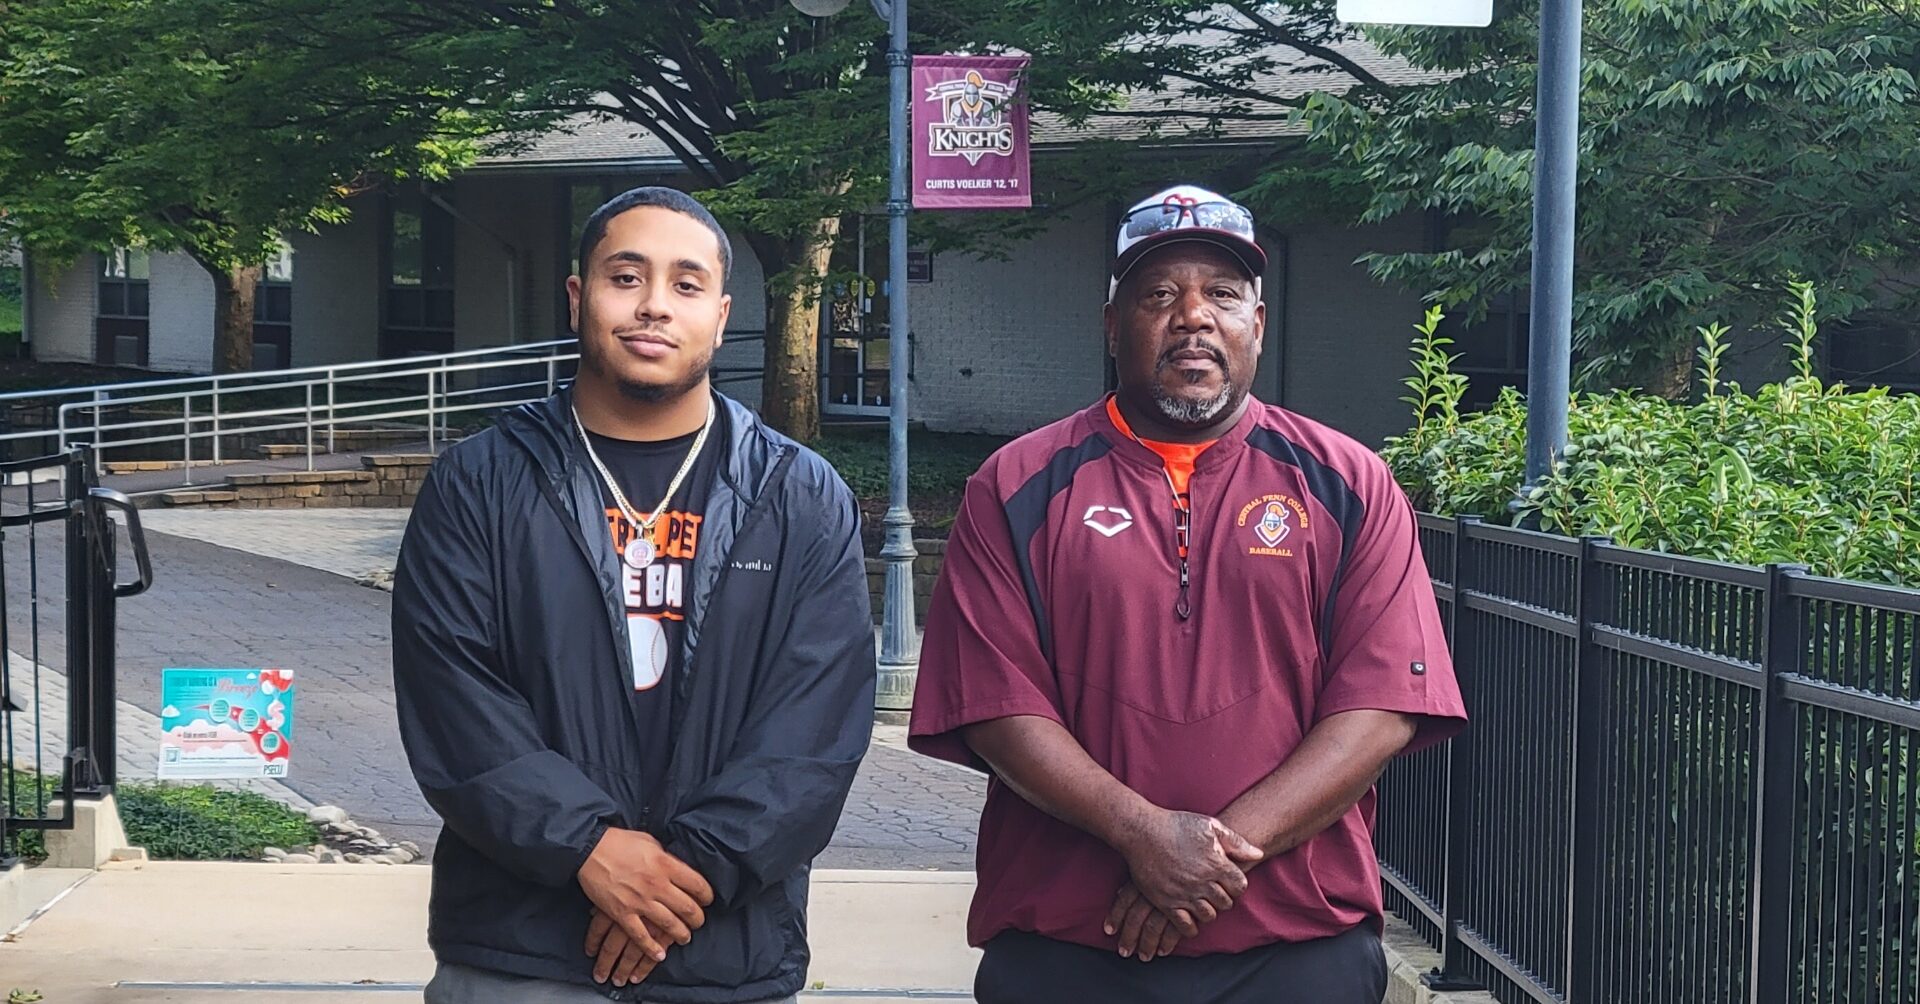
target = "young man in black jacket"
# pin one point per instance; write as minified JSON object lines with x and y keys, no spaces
{"x":633,"y":658}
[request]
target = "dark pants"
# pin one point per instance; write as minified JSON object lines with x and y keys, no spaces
{"x":1022,"y":968}
{"x":454,"y":984}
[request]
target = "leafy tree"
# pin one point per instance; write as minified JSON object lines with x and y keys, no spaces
{"x":1728,"y":147}
{"x":782,"y":120}
{"x":1186,"y":71}
{"x":209,"y":128}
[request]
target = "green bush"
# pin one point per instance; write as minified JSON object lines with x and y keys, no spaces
{"x":1798,"y":472}
{"x":939,"y":463}
{"x":204,"y":823}
{"x":11,"y":298}
{"x":181,"y":822}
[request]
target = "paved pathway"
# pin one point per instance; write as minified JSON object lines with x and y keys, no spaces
{"x":266,"y":588}
{"x":349,"y":542}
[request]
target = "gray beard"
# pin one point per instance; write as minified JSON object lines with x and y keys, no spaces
{"x":1182,"y":411}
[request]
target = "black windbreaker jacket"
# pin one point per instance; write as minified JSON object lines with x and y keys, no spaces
{"x":511,"y":675}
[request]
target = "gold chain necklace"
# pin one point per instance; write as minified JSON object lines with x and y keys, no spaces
{"x":640,"y":551}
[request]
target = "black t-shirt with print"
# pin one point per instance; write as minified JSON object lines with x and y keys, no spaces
{"x":657,"y":595}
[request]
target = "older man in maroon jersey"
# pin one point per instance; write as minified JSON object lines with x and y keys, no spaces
{"x":1185,"y":631}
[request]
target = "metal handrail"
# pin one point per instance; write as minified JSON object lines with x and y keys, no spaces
{"x":319,"y":399}
{"x":211,"y":382}
{"x":201,"y":409}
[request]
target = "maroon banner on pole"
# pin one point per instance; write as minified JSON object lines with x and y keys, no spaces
{"x":970,"y":133}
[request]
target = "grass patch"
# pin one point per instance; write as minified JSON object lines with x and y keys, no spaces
{"x":186,"y":822}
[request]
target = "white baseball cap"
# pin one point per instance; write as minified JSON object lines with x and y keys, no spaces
{"x":1186,"y":213}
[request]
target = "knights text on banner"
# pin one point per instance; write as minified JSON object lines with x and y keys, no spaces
{"x":970,"y":133}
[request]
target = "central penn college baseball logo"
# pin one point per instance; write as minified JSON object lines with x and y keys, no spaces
{"x":973,"y":118}
{"x":1272,"y":520}
{"x":1273,"y":527}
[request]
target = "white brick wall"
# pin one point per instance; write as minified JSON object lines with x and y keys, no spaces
{"x":1008,"y":346}
{"x":521,"y":210}
{"x":336,"y":289}
{"x":1001,"y":346}
{"x":180,"y":315}
{"x":62,"y":311}
{"x":1346,"y":344}
{"x":748,"y":286}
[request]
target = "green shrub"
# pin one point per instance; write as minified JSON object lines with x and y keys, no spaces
{"x":938,"y":463}
{"x":1799,"y":472}
{"x":189,"y":822}
{"x":204,"y":823}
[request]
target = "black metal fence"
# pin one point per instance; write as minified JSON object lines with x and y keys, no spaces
{"x":1685,"y":781}
{"x":58,"y":591}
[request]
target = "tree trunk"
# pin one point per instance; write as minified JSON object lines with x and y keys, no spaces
{"x":790,"y":393}
{"x":1669,"y":371}
{"x":233,"y":295}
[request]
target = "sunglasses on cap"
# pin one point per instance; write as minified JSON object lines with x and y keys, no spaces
{"x":1177,"y":215}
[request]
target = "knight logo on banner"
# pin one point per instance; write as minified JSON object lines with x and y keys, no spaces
{"x":970,"y":133}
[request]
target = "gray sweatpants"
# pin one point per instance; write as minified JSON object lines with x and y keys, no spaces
{"x":454,"y":984}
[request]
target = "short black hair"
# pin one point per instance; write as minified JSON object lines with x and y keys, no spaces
{"x":663,"y":198}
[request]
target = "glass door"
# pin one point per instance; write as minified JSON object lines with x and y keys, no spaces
{"x":854,"y":336}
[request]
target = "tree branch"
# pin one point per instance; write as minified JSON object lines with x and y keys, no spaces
{"x":1355,"y":70}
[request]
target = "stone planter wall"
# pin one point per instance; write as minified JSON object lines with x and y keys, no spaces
{"x":926,"y":569}
{"x":384,"y":482}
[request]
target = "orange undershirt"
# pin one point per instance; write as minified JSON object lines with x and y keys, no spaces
{"x":1178,"y":457}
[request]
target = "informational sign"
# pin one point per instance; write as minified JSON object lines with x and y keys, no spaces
{"x":970,"y":133}
{"x":1439,"y":13}
{"x":225,"y":723}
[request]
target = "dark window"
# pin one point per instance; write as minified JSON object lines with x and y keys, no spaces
{"x":419,"y":289}
{"x":577,"y":199}
{"x":120,"y":328}
{"x":273,"y":314}
{"x":583,"y":197}
{"x":1875,"y":352}
{"x":1492,"y":351}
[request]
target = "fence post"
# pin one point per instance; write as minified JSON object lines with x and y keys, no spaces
{"x":99,"y":452}
{"x":1776,"y":751}
{"x":1462,"y":787}
{"x":331,"y":420}
{"x":309,"y":426}
{"x":1593,"y":606}
{"x":80,"y":676}
{"x":432,"y":441}
{"x":186,"y":438}
{"x":101,"y":665}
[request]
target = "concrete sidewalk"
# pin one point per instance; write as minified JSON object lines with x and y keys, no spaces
{"x":271,"y":934}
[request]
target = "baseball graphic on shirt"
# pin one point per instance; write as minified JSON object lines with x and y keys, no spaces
{"x":648,"y":640}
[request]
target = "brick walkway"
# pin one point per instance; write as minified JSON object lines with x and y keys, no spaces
{"x":349,"y":542}
{"x":265,"y":588}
